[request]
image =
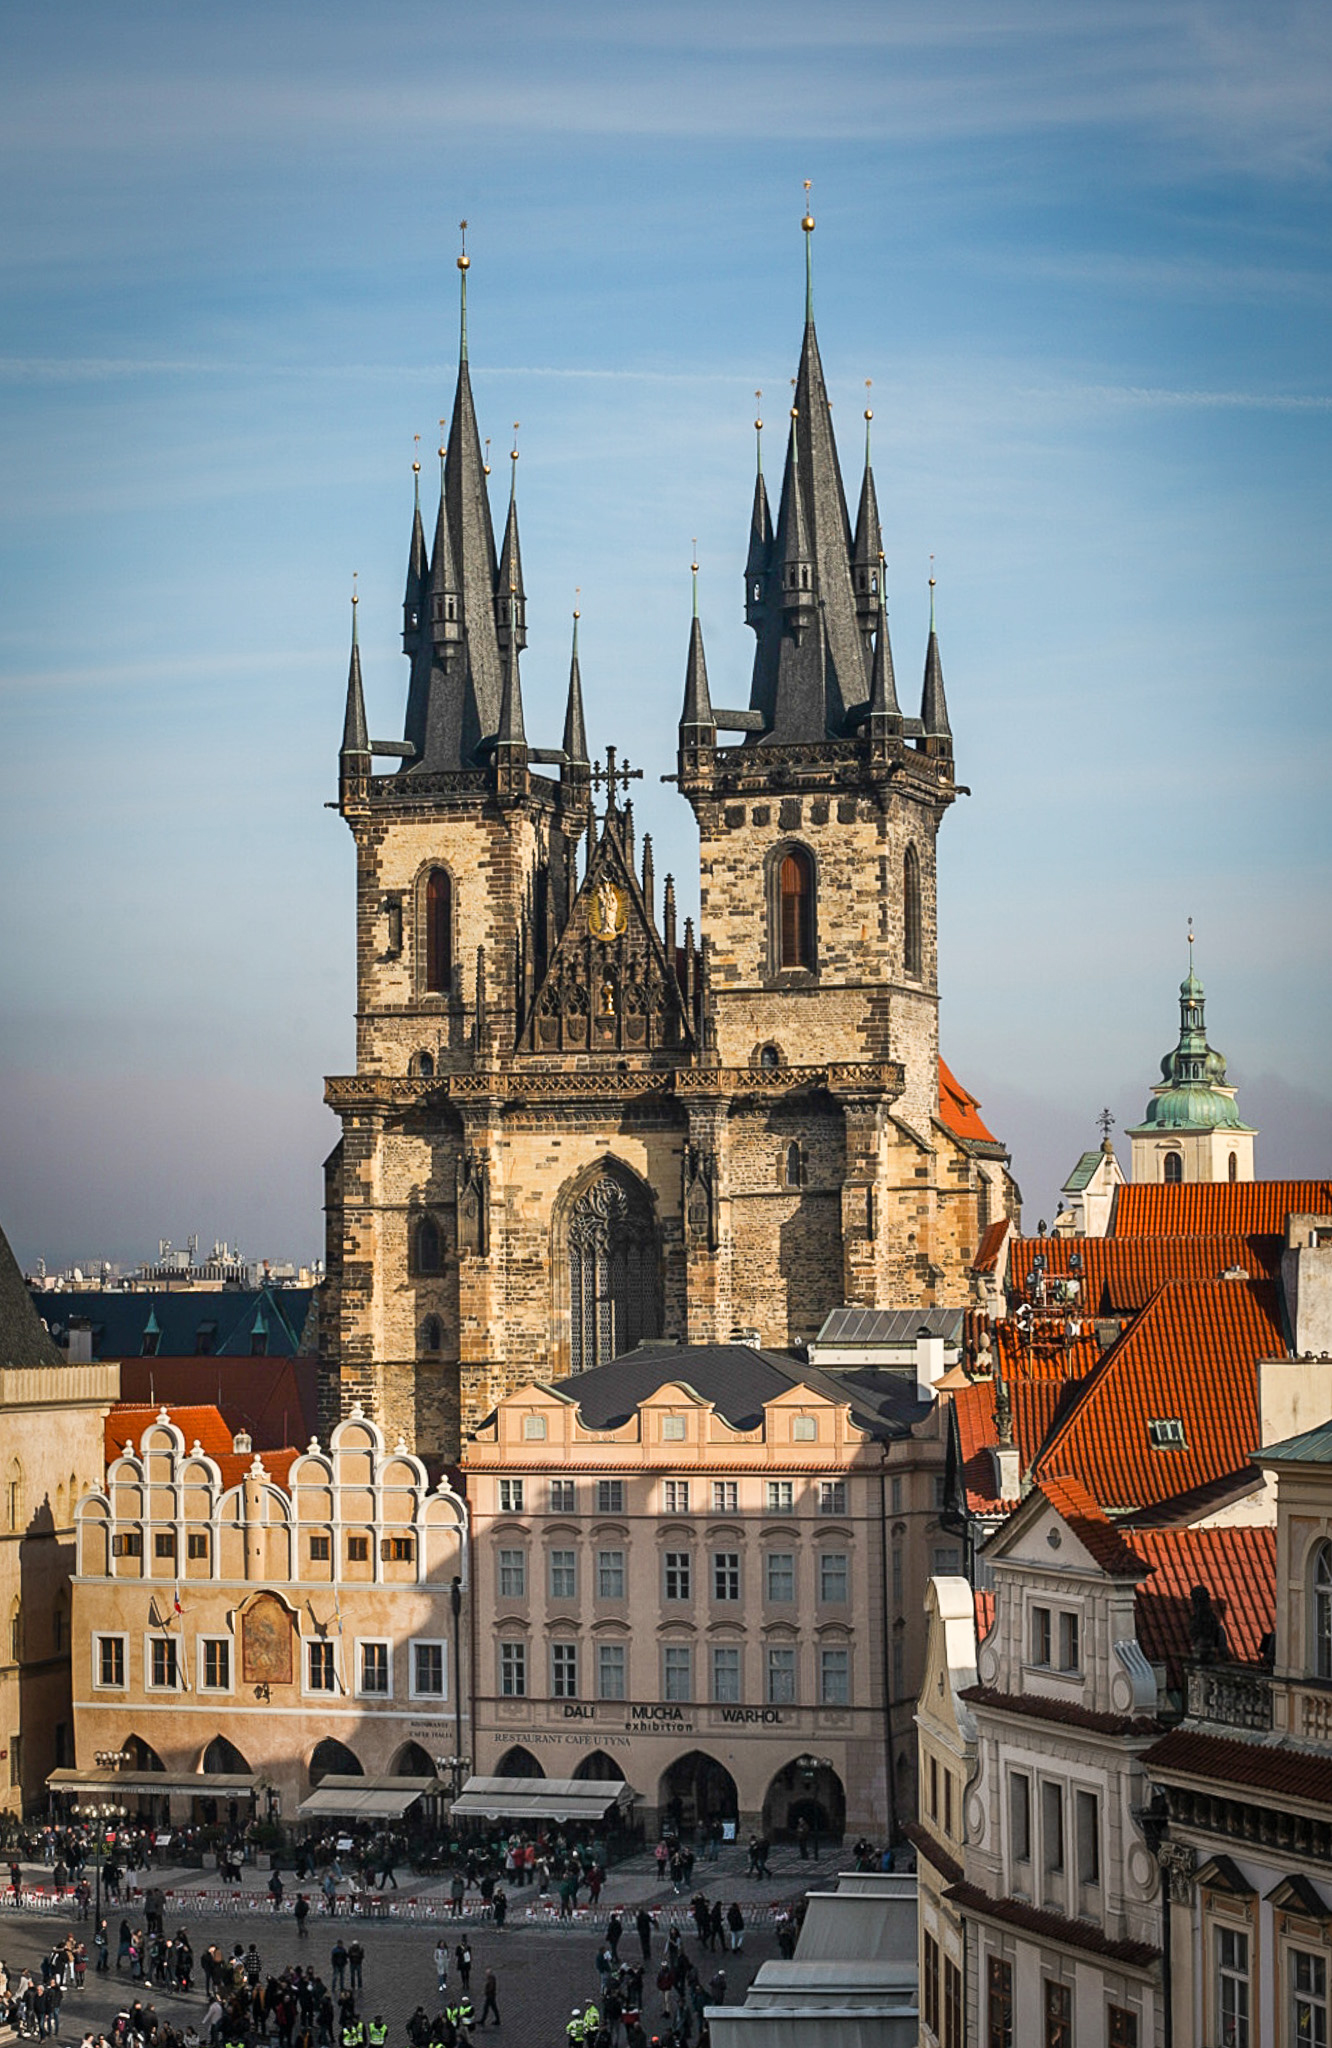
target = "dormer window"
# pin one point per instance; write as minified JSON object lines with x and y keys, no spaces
{"x":672,"y":1429}
{"x":534,"y":1429}
{"x":1166,"y":1434}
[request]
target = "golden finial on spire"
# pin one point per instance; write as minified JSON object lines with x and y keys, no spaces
{"x":464,"y":260}
{"x":758,"y":412}
{"x":808,"y":222}
{"x":578,"y":591}
{"x":356,"y":600}
{"x":513,"y":452}
{"x":869,"y":409}
{"x":443,"y":445}
{"x":486,"y":464}
{"x":416,"y":460}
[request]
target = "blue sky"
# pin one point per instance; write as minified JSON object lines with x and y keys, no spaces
{"x":1082,"y":251}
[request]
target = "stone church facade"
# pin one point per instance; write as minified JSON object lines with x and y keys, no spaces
{"x":573,"y":1125}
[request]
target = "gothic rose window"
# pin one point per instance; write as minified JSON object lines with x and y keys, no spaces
{"x":614,"y":1296}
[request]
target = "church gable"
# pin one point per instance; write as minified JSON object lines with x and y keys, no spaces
{"x":609,"y":987}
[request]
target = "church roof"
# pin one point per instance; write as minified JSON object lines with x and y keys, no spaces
{"x":1215,"y":1208}
{"x":959,"y":1109}
{"x":24,"y":1339}
{"x":738,"y":1381}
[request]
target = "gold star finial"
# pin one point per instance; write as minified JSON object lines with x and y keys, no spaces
{"x":808,"y":222}
{"x":486,"y":464}
{"x":578,"y":591}
{"x":356,"y":600}
{"x":416,"y":460}
{"x":464,"y":260}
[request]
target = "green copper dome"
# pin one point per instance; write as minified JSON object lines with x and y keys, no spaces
{"x":1194,"y":1108}
{"x":1193,"y":1095}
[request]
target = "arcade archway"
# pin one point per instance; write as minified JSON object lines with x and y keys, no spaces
{"x":696,"y":1790}
{"x":600,"y":1768}
{"x":412,"y":1762}
{"x":808,"y":1789}
{"x":222,"y":1756}
{"x":332,"y":1758}
{"x":519,"y":1763}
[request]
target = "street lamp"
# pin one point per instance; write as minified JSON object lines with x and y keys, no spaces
{"x":456,"y":1767}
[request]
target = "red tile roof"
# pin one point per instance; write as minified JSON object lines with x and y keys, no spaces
{"x":1052,"y":1354}
{"x":204,"y":1424}
{"x":1053,"y":1927}
{"x":934,"y":1852}
{"x":1238,"y":1568}
{"x":275,"y":1399}
{"x":1191,"y":1356}
{"x":959,"y":1109}
{"x":1030,"y":1706}
{"x":1301,"y":1775}
{"x":984,"y":1615}
{"x":1216,"y":1208}
{"x":1121,"y":1274}
{"x":987,"y":1255}
{"x":1070,"y":1498}
{"x":1034,"y":1404}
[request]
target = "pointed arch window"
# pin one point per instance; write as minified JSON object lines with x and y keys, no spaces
{"x":795,"y":890}
{"x":432,"y":1334}
{"x":793,"y":1166}
{"x":1320,"y":1663}
{"x":1173,"y":1169}
{"x":614,"y":1290}
{"x":427,"y":1246}
{"x":1232,"y":1169}
{"x":438,"y":910}
{"x":911,"y":938}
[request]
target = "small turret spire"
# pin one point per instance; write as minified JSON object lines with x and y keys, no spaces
{"x":808,"y":225}
{"x":933,"y":703}
{"x":512,"y":732}
{"x":867,"y":548}
{"x":355,"y":732}
{"x":444,"y":590}
{"x":798,"y":592}
{"x":417,"y":566}
{"x":575,"y":733}
{"x":885,"y":711}
{"x":758,"y":562}
{"x":464,"y":265}
{"x":509,"y":594}
{"x":697,"y":725}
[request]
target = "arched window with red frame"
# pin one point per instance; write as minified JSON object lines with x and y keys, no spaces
{"x":439,"y":931}
{"x":795,"y":891}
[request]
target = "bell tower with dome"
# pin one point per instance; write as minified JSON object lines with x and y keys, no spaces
{"x":1193,"y":1130}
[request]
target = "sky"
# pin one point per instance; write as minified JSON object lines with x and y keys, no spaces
{"x":1082,"y":252}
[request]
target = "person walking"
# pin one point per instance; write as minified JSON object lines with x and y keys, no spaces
{"x":802,"y":1837}
{"x":488,"y":2002}
{"x":735,"y":1920}
{"x":338,"y":1958}
{"x":643,"y":1929}
{"x":442,"y":1969}
{"x":301,"y":1913}
{"x":462,"y":1956}
{"x":275,"y":1891}
{"x":355,"y":1965}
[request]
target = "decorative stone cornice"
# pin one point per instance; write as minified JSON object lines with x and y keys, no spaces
{"x":880,"y":1080}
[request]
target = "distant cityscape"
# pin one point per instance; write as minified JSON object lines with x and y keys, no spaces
{"x":175,"y":1268}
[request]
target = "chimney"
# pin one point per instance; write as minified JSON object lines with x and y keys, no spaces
{"x":929,"y":1363}
{"x":80,"y":1341}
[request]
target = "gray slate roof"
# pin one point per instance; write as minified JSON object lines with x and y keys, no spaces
{"x":895,"y":1326}
{"x":1082,"y":1173}
{"x":189,"y":1324}
{"x":23,"y":1340}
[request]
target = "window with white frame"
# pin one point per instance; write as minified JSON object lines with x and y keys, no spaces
{"x":672,"y":1429}
{"x":511,"y":1496}
{"x":321,"y":1676}
{"x":163,"y":1663}
{"x":780,"y":1666}
{"x":726,"y":1575}
{"x":832,"y":1496}
{"x":513,"y":1574}
{"x":373,"y":1668}
{"x":804,"y":1429}
{"x":1232,"y":1987}
{"x":610,"y":1575}
{"x":726,"y":1673}
{"x":1019,"y":1817}
{"x":834,"y":1580}
{"x":678,"y":1579}
{"x":429,"y":1668}
{"x":513,"y":1670}
{"x":610,"y":1671}
{"x":779,"y":1575}
{"x":1308,"y":1999}
{"x":109,"y":1663}
{"x":835,"y":1677}
{"x":675,"y":1496}
{"x":677,"y":1672}
{"x":534,"y":1429}
{"x":562,"y":1497}
{"x":564,"y":1671}
{"x":779,"y":1496}
{"x":610,"y":1496}
{"x":215,"y":1664}
{"x":563,"y":1574}
{"x":1087,"y":1833}
{"x":1042,"y":1635}
{"x":1070,"y":1649}
{"x":1320,"y":1663}
{"x":725,"y":1497}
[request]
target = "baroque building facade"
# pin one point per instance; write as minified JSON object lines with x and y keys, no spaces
{"x":573,"y":1124}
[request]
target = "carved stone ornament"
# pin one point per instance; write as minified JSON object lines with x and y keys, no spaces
{"x":266,"y":1655}
{"x":1178,"y":1863}
{"x":474,"y":1205}
{"x":700,"y":1196}
{"x":607,"y":911}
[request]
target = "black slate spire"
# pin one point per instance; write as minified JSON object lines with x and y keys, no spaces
{"x":759,"y":560}
{"x":885,"y":713}
{"x":417,"y":572}
{"x":512,"y":732}
{"x":933,"y":703}
{"x":509,"y":583}
{"x":355,"y":731}
{"x":867,"y":547}
{"x":575,"y":732}
{"x":697,"y":725}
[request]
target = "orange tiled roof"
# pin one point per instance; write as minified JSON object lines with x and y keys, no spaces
{"x":1222,"y":1760}
{"x":984,"y":1615}
{"x":201,"y":1423}
{"x":959,"y":1109}
{"x":1070,"y":1498}
{"x":1243,"y":1208}
{"x":1191,"y":1356}
{"x":1034,"y":1405}
{"x":275,"y":1399}
{"x":987,"y":1255}
{"x":1238,"y":1568}
{"x":1042,"y":1360}
{"x":1121,"y":1274}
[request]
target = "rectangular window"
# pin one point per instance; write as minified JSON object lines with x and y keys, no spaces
{"x":610,"y":1574}
{"x":804,"y":1429}
{"x":111,"y":1661}
{"x":428,"y":1671}
{"x":934,"y":1788}
{"x":534,"y":1429}
{"x":833,"y":1581}
{"x":196,"y":1544}
{"x":677,"y":1575}
{"x":897,"y":1576}
{"x":779,"y":1575}
{"x":1019,"y":1818}
{"x":128,"y":1544}
{"x":1069,"y":1650}
{"x":513,"y":1574}
{"x":16,"y":1759}
{"x":940,"y":1493}
{"x":375,"y":1668}
{"x":930,"y":1999}
{"x":1087,"y":1824}
{"x":1308,"y":1999}
{"x":1052,"y":1827}
{"x":725,"y":1497}
{"x":677,"y":1672}
{"x":672,"y":1429}
{"x":561,"y":1496}
{"x":675,"y":1494}
{"x":779,"y":1496}
{"x":610,"y":1496}
{"x":513,"y":1671}
{"x":945,"y":1560}
{"x":1058,"y":2014}
{"x":563,"y":1574}
{"x":320,"y":1549}
{"x":164,"y":1543}
{"x":781,"y":1668}
{"x":952,"y":2005}
{"x":832,"y":1496}
{"x":948,"y":1804}
{"x":726,"y":1674}
{"x":1040,"y":1635}
{"x":999,"y":2003}
{"x":163,"y":1665}
{"x":322,"y":1677}
{"x":1121,"y":2027}
{"x":835,"y":1678}
{"x":564,"y":1671}
{"x":897,"y":1495}
{"x":358,"y":1549}
{"x":216,"y":1665}
{"x":610,"y":1671}
{"x":511,"y":1496}
{"x":1232,"y":1987}
{"x":397,"y":1549}
{"x":726,"y":1575}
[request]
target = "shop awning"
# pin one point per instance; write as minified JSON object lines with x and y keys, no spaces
{"x":344,"y":1798}
{"x":196,"y":1784}
{"x":586,"y":1799}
